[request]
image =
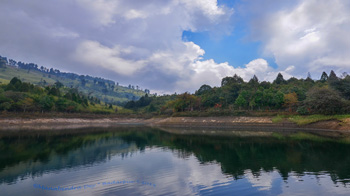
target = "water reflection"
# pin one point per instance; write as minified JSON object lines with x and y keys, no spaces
{"x":173,"y":162}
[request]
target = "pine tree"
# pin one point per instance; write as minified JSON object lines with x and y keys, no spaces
{"x":324,"y":77}
{"x":332,"y":77}
{"x":279,"y":79}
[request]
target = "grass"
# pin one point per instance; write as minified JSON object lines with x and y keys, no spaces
{"x":278,"y":119}
{"x":33,"y":77}
{"x":304,"y":120}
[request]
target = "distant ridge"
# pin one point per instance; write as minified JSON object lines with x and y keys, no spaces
{"x":106,"y":90}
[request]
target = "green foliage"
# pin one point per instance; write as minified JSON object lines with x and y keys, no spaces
{"x":277,"y":119}
{"x":324,"y":77}
{"x":302,"y":110}
{"x":18,"y":96}
{"x":185,"y":102}
{"x":46,"y":103}
{"x":324,"y":101}
{"x":203,"y":89}
{"x":285,"y":97}
{"x":241,"y":100}
{"x":232,"y":80}
{"x":279,"y":79}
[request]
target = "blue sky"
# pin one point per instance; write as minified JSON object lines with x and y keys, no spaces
{"x":178,"y":45}
{"x":235,"y":48}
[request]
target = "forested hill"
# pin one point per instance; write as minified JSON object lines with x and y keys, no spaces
{"x":106,"y":90}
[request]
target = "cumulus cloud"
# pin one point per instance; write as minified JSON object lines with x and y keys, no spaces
{"x":211,"y":73}
{"x":140,"y":42}
{"x":132,"y":41}
{"x":310,"y":35}
{"x":94,"y":54}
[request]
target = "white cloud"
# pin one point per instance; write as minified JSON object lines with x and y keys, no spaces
{"x":312,"y":35}
{"x":211,"y":73}
{"x":102,"y":10}
{"x":140,"y":42}
{"x":94,"y":54}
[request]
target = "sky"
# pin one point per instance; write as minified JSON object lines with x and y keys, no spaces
{"x":177,"y":45}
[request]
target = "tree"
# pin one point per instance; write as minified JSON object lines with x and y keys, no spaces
{"x":279,"y":79}
{"x":54,"y":91}
{"x":268,"y":98}
{"x":15,"y":81}
{"x":290,"y":100}
{"x":232,"y":80}
{"x":83,"y":82}
{"x":14,"y":85}
{"x":130,"y":105}
{"x":258,"y":98}
{"x":242,"y":99}
{"x":278,"y":99}
{"x":46,"y":103}
{"x":254,"y":81}
{"x":58,"y":84}
{"x":185,"y":102}
{"x":151,"y":108}
{"x":324,"y":77}
{"x":203,"y":89}
{"x":237,"y":79}
{"x":343,"y":86}
{"x":332,"y":77}
{"x":324,"y":101}
{"x":308,"y":78}
{"x":292,"y":80}
{"x":27,"y":104}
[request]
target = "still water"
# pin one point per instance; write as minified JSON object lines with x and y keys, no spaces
{"x":149,"y":161}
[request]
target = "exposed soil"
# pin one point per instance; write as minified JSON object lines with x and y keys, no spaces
{"x":241,"y":123}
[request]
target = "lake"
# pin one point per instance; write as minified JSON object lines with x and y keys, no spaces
{"x":152,"y":161}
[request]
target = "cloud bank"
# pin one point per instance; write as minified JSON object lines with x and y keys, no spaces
{"x":311,"y":35}
{"x":140,"y":42}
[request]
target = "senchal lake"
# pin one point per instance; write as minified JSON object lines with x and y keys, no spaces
{"x":177,"y":161}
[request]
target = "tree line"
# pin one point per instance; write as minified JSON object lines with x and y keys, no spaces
{"x":328,"y":95}
{"x":18,"y":96}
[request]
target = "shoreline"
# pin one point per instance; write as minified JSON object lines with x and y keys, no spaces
{"x":263,"y":123}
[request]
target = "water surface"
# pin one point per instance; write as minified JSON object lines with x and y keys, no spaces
{"x":148,"y":161}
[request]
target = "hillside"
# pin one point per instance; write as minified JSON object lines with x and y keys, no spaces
{"x":105,"y":90}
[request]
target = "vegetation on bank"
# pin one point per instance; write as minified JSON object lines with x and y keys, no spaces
{"x":330,"y":95}
{"x":302,"y":101}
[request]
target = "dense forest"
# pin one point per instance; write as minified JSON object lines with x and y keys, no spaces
{"x":328,"y":95}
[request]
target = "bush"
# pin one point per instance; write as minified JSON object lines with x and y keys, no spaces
{"x":324,"y":101}
{"x":302,"y":110}
{"x":5,"y":106}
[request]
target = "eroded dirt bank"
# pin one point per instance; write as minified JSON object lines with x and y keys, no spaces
{"x":264,"y":123}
